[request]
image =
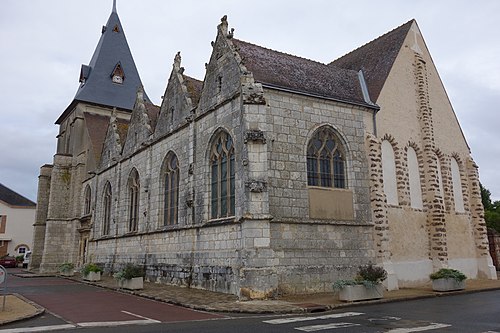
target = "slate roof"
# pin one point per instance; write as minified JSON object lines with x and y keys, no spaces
{"x":153,"y":111}
{"x":97,"y":126}
{"x":194,"y":88}
{"x":376,"y":58}
{"x":281,"y":70}
{"x":98,"y":87}
{"x":13,"y":198}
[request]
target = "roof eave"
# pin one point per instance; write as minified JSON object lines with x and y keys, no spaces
{"x":308,"y":94}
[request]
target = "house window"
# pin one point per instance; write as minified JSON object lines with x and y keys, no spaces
{"x":133,"y":190}
{"x":3,"y":223}
{"x":325,"y":160}
{"x":171,"y":188}
{"x":88,"y":200}
{"x":107,"y":209}
{"x":222,"y":176}
{"x":21,"y":250}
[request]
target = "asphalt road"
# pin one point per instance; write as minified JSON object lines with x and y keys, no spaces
{"x":75,"y":306}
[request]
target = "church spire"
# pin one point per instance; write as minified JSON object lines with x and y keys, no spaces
{"x":111,"y":78}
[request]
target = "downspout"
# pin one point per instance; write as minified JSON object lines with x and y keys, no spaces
{"x":366,"y":97}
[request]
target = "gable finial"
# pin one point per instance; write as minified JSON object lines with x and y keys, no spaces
{"x":114,"y":6}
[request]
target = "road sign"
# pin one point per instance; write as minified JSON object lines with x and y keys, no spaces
{"x":3,"y":274}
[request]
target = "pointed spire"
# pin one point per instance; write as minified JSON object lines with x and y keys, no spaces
{"x":114,"y":6}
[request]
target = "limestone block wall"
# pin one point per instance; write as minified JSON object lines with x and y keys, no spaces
{"x":292,"y":120}
{"x":311,"y":253}
{"x":309,"y":257}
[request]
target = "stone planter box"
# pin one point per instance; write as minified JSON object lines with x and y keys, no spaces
{"x":92,"y":276}
{"x":131,"y":284}
{"x":67,"y":273}
{"x":447,"y":285}
{"x":360,"y":293}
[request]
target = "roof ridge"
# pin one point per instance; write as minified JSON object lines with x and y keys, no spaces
{"x":9,"y":192}
{"x":280,"y":52}
{"x":372,"y":41}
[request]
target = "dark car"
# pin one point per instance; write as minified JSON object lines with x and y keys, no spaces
{"x":8,"y":262}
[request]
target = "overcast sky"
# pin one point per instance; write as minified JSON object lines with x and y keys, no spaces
{"x":44,"y":42}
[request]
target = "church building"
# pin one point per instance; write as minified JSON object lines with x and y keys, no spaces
{"x":274,"y":175}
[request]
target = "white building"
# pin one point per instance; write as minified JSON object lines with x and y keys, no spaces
{"x":17,"y":215}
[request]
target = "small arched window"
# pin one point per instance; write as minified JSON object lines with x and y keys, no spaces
{"x":325,"y":160}
{"x":171,"y":189}
{"x":87,"y":201}
{"x":457,"y":186}
{"x":222,"y":176}
{"x":107,"y":202}
{"x":133,"y":194}
{"x":414,"y":179}
{"x":389,"y":173}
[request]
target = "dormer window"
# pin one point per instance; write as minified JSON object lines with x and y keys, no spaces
{"x":117,"y":76}
{"x":117,"y":79}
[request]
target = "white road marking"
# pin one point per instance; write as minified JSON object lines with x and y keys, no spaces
{"x":315,"y":328}
{"x":297,"y":319}
{"x":432,"y":326}
{"x":116,"y":323}
{"x":145,"y":321}
{"x":139,"y":316}
{"x":37,"y":329}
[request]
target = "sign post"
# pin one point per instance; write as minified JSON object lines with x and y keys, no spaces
{"x":3,"y":281}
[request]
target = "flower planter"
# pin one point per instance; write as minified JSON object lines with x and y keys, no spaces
{"x":92,"y":276}
{"x":361,"y":292}
{"x":131,"y":284}
{"x":447,"y":285}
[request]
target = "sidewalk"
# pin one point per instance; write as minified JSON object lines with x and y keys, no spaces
{"x":219,"y":302}
{"x":19,"y":308}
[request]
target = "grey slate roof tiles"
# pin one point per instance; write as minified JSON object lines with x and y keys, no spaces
{"x":98,"y":87}
{"x":375,"y":58}
{"x":301,"y":75}
{"x":13,"y":198}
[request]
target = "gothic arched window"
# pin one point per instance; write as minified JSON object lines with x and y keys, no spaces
{"x":133,"y":194}
{"x":222,"y":176}
{"x":325,"y":160}
{"x":170,"y":180}
{"x":88,"y":200}
{"x":106,"y":209}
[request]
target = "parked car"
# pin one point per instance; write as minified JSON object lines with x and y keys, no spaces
{"x":8,"y":261}
{"x":26,"y":261}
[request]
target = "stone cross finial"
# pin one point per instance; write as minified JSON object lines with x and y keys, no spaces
{"x":114,"y":6}
{"x":223,"y":24}
{"x":416,"y":32}
{"x":177,"y":60}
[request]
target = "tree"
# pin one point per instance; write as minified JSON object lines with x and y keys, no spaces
{"x":491,"y":209}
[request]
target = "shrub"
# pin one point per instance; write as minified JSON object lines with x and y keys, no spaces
{"x":448,"y":273}
{"x":371,"y":273}
{"x":20,"y":258}
{"x":129,"y":271}
{"x":368,"y":275}
{"x":90,"y":267}
{"x":66,"y":267}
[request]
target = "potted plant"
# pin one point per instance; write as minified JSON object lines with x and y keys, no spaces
{"x":91,"y":272}
{"x":447,"y":279}
{"x":366,"y":285}
{"x":130,"y":277}
{"x":67,"y":269}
